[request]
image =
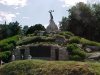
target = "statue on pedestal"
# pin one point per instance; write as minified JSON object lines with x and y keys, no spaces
{"x":52,"y":27}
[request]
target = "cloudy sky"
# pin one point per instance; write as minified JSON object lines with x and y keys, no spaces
{"x":30,"y":12}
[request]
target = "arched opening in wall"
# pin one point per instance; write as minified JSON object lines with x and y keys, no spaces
{"x":40,"y":51}
{"x":56,"y":54}
{"x":22,"y":51}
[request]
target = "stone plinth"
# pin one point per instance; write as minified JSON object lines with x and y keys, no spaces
{"x":27,"y":52}
{"x":52,"y":27}
{"x":17,"y":54}
{"x":63,"y":54}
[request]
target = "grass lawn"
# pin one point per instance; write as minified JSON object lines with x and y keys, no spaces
{"x":42,"y":67}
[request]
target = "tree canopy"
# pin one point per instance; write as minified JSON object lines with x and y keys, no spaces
{"x":8,"y":30}
{"x":83,"y":20}
{"x":36,"y":27}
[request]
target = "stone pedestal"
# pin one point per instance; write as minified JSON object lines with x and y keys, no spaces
{"x":63,"y":54}
{"x":52,"y":27}
{"x":52,"y":53}
{"x":27,"y":52}
{"x":17,"y":54}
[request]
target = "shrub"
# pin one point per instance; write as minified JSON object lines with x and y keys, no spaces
{"x":9,"y":43}
{"x":6,"y":46}
{"x":5,"y":56}
{"x":71,"y":47}
{"x":59,"y":36}
{"x":75,"y":57}
{"x":66,"y":34}
{"x":75,"y":52}
{"x":29,"y":40}
{"x":88,"y":42}
{"x":75,"y":39}
{"x":31,"y":35}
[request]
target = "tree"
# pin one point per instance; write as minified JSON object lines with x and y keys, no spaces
{"x":8,"y":30}
{"x":83,"y":20}
{"x":25,"y":29}
{"x":96,"y":10}
{"x":3,"y":30}
{"x":80,"y":20}
{"x":14,"y":28}
{"x":64,"y":24}
{"x":36,"y":27}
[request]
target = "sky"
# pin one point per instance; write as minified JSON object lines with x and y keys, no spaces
{"x":31,"y":12}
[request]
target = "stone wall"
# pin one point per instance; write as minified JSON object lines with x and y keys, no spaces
{"x":63,"y":54}
{"x":57,"y":53}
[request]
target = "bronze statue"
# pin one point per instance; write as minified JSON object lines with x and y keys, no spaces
{"x":51,"y":16}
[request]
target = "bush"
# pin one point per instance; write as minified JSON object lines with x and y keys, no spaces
{"x":75,"y":57}
{"x":75,"y":39}
{"x":75,"y":52}
{"x":88,"y":42}
{"x":29,"y":40}
{"x":5,"y":56}
{"x":59,"y":37}
{"x":66,"y":34}
{"x":8,"y":44}
{"x":70,"y":48}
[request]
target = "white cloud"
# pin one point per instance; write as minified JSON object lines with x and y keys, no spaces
{"x":18,"y":3}
{"x":0,"y":19}
{"x":5,"y":16}
{"x":17,"y":13}
{"x":93,"y":1}
{"x":71,"y":2}
{"x":25,"y":17}
{"x":68,"y":3}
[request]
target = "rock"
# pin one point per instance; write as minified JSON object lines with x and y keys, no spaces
{"x":40,"y":33}
{"x":93,"y":48}
{"x":79,"y":45}
{"x":95,"y":56}
{"x":88,"y":50}
{"x":60,"y":40}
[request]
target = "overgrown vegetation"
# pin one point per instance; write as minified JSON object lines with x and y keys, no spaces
{"x":75,"y":39}
{"x":66,"y":34}
{"x":88,"y":42}
{"x":35,"y":39}
{"x":6,"y":47}
{"x":83,"y":41}
{"x":5,"y":56}
{"x":76,"y":53}
{"x":40,"y":67}
{"x":9,"y":43}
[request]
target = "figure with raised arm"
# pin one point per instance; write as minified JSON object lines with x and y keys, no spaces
{"x":51,"y":16}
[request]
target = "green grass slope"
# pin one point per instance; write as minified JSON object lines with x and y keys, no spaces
{"x":40,"y":67}
{"x":6,"y":46}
